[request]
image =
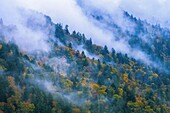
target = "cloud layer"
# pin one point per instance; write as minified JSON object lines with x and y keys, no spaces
{"x":70,"y":12}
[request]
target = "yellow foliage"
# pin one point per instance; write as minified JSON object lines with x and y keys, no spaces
{"x":68,"y":83}
{"x":79,"y":93}
{"x":122,"y":85}
{"x":94,"y":86}
{"x":150,"y":77}
{"x":83,"y":82}
{"x":54,"y":103}
{"x":116,"y":96}
{"x":125,"y":77}
{"x":102,"y":92}
{"x":103,"y":87}
{"x":106,"y":107}
{"x":155,"y":75}
{"x":159,"y":109}
{"x":114,"y":70}
{"x":148,"y":109}
{"x":120,"y":91}
{"x":101,"y":101}
{"x":98,"y":89}
{"x":25,"y":72}
{"x":129,"y":103}
{"x":3,"y":68}
{"x":76,"y":110}
{"x":63,"y":73}
{"x":54,"y":110}
{"x":53,"y":73}
{"x":100,"y":73}
{"x":12,"y":83}
{"x":139,"y":101}
{"x":2,"y":104}
{"x":0,"y":46}
{"x":30,"y":75}
{"x":27,"y":107}
{"x":129,"y":88}
{"x":88,"y":112}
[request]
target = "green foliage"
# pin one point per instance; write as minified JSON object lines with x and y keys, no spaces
{"x":110,"y":83}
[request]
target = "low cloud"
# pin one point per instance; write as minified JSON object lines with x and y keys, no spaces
{"x":81,"y":49}
{"x":15,"y":28}
{"x":71,"y":12}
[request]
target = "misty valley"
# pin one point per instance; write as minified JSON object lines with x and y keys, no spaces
{"x":47,"y":68}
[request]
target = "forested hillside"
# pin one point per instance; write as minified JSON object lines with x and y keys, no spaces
{"x":78,"y":76}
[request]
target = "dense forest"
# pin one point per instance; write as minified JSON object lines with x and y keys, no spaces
{"x":78,"y":76}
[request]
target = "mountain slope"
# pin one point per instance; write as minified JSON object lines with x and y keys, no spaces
{"x":152,"y":40}
{"x":68,"y":79}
